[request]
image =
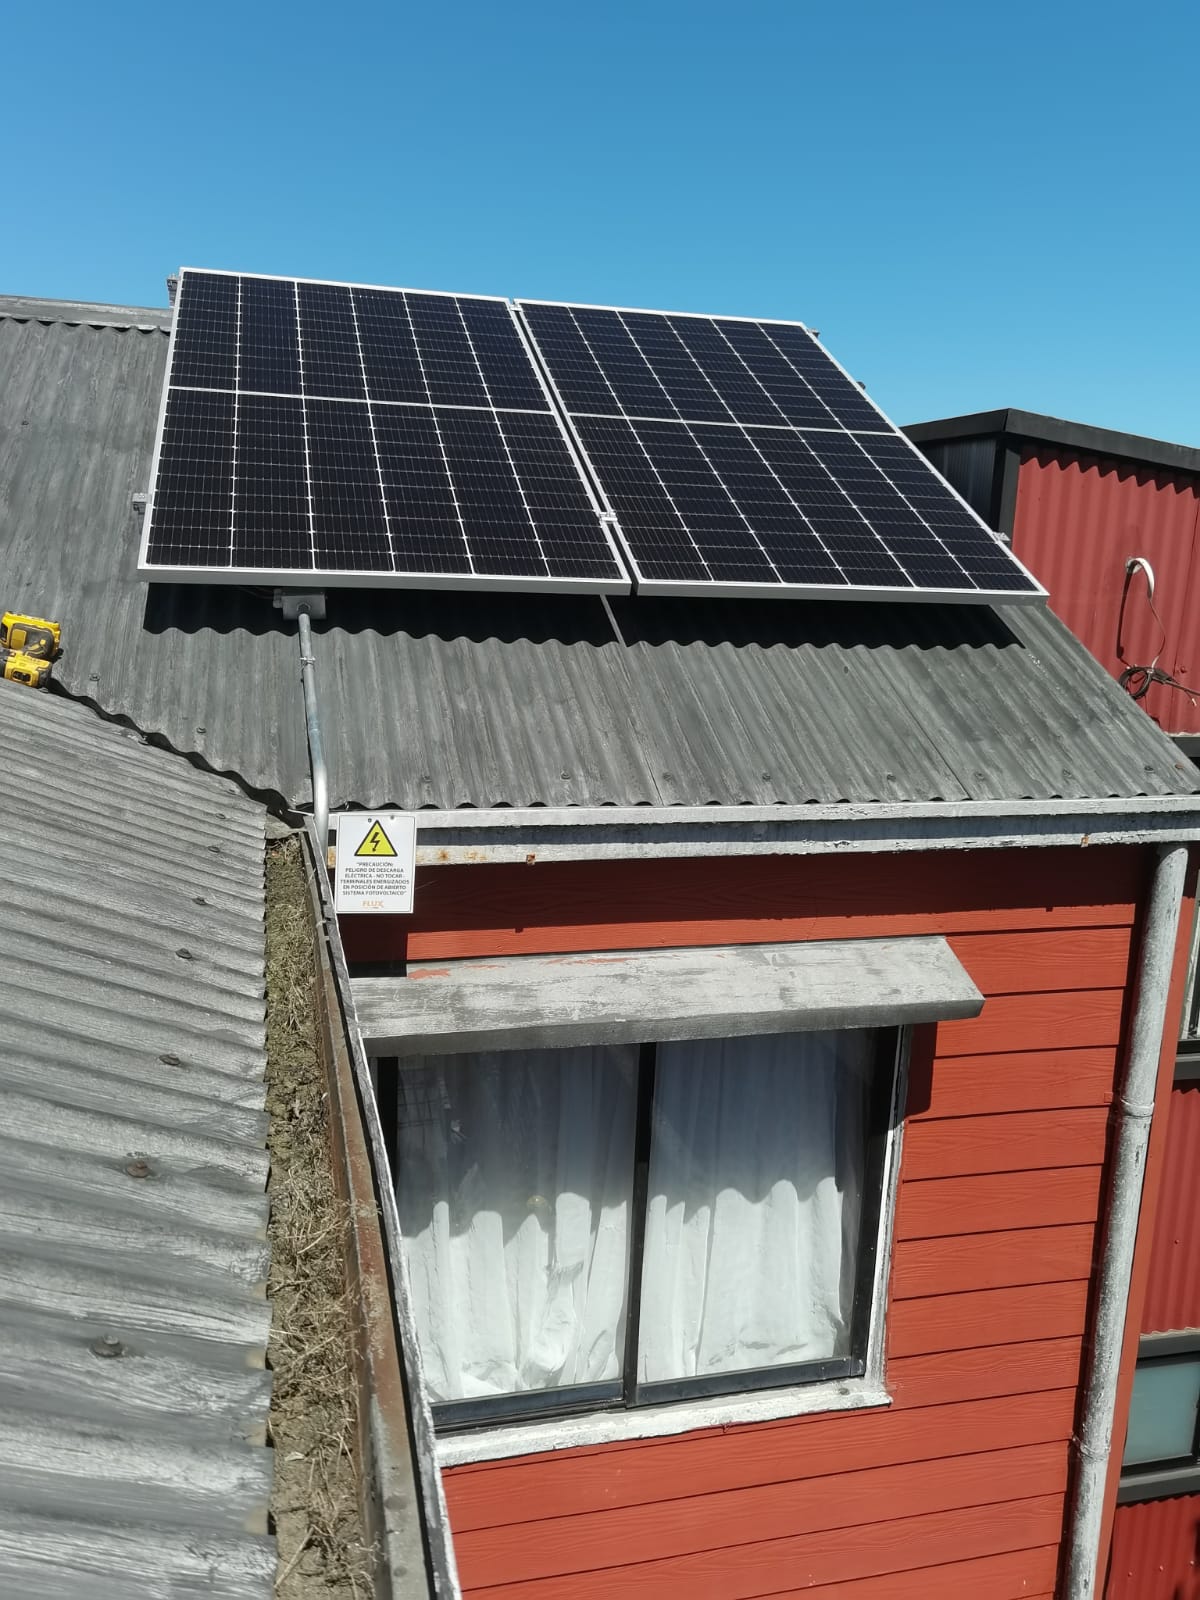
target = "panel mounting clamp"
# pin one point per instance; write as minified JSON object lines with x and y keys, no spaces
{"x":292,"y":602}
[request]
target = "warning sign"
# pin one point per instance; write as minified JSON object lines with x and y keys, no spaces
{"x":376,"y":859}
{"x":376,"y":843}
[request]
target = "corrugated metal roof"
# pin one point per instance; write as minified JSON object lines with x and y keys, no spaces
{"x":132,"y":1168}
{"x":448,"y":700}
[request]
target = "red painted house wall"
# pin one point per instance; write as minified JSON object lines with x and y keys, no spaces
{"x":958,"y":1488}
{"x":1078,"y":519}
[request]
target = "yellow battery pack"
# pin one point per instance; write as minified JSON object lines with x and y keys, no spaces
{"x":33,"y":636}
{"x":20,"y":668}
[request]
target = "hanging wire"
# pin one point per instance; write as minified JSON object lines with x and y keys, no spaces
{"x":1137,"y":677}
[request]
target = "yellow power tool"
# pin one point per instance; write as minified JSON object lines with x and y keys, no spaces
{"x":32,"y":636}
{"x":21,"y":668}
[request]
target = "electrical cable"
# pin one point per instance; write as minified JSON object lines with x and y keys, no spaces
{"x":1138,"y":677}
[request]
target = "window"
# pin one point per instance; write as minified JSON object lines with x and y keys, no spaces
{"x":1162,"y":1446}
{"x":1189,"y":1022}
{"x":625,"y":1225}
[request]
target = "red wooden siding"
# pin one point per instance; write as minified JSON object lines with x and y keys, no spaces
{"x":1078,"y":519}
{"x":640,"y":905}
{"x":1155,"y":1549}
{"x":957,"y":1487}
{"x":1173,"y":1290}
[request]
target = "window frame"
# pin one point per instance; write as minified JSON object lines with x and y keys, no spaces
{"x":625,"y":1396}
{"x":1189,"y":1018}
{"x":1160,"y":1479}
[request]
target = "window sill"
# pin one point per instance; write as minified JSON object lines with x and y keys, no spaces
{"x":1164,"y":1483}
{"x":657,"y":1422}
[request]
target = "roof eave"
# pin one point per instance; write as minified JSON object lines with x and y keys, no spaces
{"x":1035,"y":428}
{"x":480,"y":838}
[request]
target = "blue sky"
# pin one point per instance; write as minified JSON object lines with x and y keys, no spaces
{"x":977,"y":205}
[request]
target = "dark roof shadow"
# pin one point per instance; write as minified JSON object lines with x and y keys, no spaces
{"x":419,"y":613}
{"x":791,"y":623}
{"x":582,"y":619}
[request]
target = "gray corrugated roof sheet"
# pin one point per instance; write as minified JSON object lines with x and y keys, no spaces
{"x":142,"y":1472}
{"x":448,"y":700}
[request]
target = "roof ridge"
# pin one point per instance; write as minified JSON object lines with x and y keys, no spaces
{"x":85,"y":313}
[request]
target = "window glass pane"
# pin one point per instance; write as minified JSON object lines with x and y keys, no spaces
{"x":513,"y":1179}
{"x":752,"y":1228}
{"x":1162,"y":1413}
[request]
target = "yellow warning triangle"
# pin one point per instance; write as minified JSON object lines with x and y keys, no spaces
{"x":376,"y":843}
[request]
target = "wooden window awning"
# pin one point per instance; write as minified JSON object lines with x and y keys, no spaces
{"x":626,"y":996}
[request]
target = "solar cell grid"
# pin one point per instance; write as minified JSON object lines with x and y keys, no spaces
{"x":346,"y":432}
{"x":738,"y":453}
{"x":332,"y":430}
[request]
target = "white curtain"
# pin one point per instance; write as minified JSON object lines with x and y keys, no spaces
{"x":754,"y":1202}
{"x":513,"y":1178}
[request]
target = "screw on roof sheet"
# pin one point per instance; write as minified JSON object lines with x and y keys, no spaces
{"x":169,"y":1059}
{"x":139,"y":1168}
{"x":107,"y":1345}
{"x":184,"y":954}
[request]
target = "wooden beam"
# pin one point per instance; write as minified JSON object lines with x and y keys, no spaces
{"x":532,"y":1002}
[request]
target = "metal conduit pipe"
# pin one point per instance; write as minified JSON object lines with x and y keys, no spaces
{"x":1131,"y":1136}
{"x":316,"y":745}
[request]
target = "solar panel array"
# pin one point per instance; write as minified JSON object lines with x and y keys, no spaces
{"x":331,"y":431}
{"x":738,"y":453}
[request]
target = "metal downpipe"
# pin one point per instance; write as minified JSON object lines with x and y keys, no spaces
{"x":1131,"y":1136}
{"x":316,"y":745}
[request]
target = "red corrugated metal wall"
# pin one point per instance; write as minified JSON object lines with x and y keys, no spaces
{"x":1173,"y":1292}
{"x":1078,"y":519}
{"x":958,"y":1488}
{"x":1155,"y":1543}
{"x":1154,"y":1551}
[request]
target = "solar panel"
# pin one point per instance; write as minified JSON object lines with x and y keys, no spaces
{"x":338,"y":433}
{"x":738,"y":455}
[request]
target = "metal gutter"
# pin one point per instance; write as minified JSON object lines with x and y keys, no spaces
{"x":1133,"y":1111}
{"x":438,"y":1549}
{"x":466,"y":837}
{"x":390,"y":1500}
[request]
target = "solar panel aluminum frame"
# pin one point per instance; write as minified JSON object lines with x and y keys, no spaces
{"x":1037,"y":595}
{"x":326,"y":577}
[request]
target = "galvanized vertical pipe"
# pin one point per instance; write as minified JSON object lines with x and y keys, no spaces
{"x":316,"y":746}
{"x":1131,"y":1137}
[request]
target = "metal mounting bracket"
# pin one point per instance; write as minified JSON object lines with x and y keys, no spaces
{"x":294,"y":601}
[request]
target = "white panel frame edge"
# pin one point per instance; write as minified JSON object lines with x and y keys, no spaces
{"x":762,"y":1405}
